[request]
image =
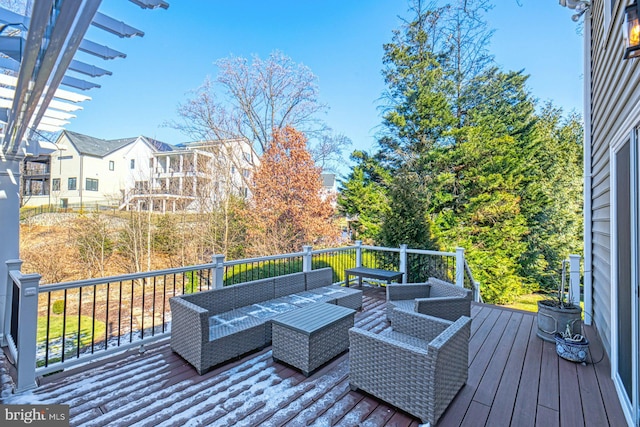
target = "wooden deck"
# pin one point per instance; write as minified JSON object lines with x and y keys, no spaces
{"x":514,"y":379}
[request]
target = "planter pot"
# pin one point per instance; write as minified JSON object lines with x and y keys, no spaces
{"x":554,"y":319}
{"x":574,"y":350}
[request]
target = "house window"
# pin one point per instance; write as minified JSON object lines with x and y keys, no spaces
{"x":92,"y":184}
{"x":72,"y":184}
{"x":233,"y":170}
{"x":247,"y":157}
{"x":55,"y":184}
{"x":112,"y":165}
{"x":133,"y":164}
{"x":246,"y":173}
{"x":151,"y":162}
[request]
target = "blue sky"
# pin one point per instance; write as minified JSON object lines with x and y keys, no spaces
{"x":339,"y":40}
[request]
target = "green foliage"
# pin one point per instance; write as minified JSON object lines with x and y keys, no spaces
{"x":363,"y":197}
{"x":407,"y":221}
{"x":58,"y":306}
{"x":469,"y":161}
{"x":191,"y":282}
{"x":248,"y":272}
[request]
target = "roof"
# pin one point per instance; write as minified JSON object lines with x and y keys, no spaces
{"x":328,"y":180}
{"x":92,"y":146}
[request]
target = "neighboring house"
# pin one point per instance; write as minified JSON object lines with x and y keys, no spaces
{"x":329,"y":188}
{"x":612,"y":181}
{"x":87,"y":171}
{"x":138,"y":173}
{"x":195,"y":176}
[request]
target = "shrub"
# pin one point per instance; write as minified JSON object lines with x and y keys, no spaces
{"x":58,"y":306}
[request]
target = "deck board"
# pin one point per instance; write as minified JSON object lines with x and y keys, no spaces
{"x":514,"y":379}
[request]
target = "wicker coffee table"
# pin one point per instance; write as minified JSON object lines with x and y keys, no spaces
{"x":311,"y":336}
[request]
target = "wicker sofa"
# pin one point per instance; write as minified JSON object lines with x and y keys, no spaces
{"x":435,"y":298}
{"x":417,"y":365}
{"x":211,"y":327}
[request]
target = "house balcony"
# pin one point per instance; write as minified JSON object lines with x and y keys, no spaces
{"x":128,"y":374}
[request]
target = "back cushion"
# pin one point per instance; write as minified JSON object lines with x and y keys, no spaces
{"x":319,"y":278}
{"x":215,"y":301}
{"x":253,"y":292}
{"x":289,"y":284}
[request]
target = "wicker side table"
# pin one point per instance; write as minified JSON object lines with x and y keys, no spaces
{"x":309,"y":337}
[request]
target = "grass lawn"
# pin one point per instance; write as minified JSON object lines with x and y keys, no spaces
{"x":86,"y":329}
{"x":527,"y":302}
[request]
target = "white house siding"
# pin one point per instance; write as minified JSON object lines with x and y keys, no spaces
{"x":615,"y":98}
{"x":70,"y":163}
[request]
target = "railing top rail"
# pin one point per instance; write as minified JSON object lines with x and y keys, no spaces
{"x":427,"y":252}
{"x":264,"y":258}
{"x":324,"y":251}
{"x":123,"y":277}
{"x":380,"y":248}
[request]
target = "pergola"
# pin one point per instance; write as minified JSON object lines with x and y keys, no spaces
{"x":36,"y":55}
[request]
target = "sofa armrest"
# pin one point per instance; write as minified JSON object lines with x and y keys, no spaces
{"x":449,"y":308}
{"x":418,"y":325}
{"x":189,"y":328}
{"x":450,"y":353}
{"x":408,"y":291}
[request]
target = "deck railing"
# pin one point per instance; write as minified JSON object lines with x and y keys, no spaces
{"x":65,"y":324}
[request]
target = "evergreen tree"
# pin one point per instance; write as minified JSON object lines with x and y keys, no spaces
{"x":363,"y":197}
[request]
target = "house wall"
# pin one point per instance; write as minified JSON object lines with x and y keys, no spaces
{"x":112,"y":184}
{"x":615,"y":111}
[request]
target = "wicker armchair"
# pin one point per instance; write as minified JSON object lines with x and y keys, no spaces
{"x":435,"y":298}
{"x":418,"y":365}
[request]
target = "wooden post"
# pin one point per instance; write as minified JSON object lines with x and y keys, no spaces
{"x":460,"y":267}
{"x":218,"y":274}
{"x":358,"y":253}
{"x":27,"y":332}
{"x":403,"y":262}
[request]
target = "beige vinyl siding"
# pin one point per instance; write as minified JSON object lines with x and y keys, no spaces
{"x":614,"y":94}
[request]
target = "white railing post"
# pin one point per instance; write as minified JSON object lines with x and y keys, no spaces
{"x":27,"y":331}
{"x":460,"y":267}
{"x":403,"y":262}
{"x":358,"y":253}
{"x":306,"y":258}
{"x":574,"y":279}
{"x":218,"y":275}
{"x":6,"y":296}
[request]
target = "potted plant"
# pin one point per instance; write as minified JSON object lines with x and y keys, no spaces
{"x":557,"y":314}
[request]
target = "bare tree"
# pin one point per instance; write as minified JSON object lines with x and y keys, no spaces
{"x":250,"y":99}
{"x":327,"y":151}
{"x":93,"y":240}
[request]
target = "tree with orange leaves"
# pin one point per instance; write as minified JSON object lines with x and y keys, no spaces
{"x":286,"y":209}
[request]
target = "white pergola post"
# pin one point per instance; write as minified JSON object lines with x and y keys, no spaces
{"x":10,"y":223}
{"x":358,"y":253}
